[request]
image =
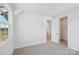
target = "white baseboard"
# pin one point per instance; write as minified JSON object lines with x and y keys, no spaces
{"x":74,"y":49}
{"x":30,"y":44}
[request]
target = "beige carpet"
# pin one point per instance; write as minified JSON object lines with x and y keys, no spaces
{"x":45,"y":49}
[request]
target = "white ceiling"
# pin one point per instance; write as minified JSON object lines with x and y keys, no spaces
{"x":50,"y":9}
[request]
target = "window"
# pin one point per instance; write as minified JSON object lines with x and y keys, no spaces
{"x":3,"y":24}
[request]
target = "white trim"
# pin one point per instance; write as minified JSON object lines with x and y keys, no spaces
{"x":74,"y":48}
{"x":30,"y":44}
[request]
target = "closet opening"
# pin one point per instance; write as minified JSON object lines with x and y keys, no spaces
{"x":64,"y":31}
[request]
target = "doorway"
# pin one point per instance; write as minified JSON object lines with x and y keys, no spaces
{"x":64,"y":30}
{"x":48,"y":31}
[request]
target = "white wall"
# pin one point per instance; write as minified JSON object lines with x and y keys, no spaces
{"x":55,"y":35}
{"x":74,"y":33}
{"x":7,"y":48}
{"x":73,"y":29}
{"x":30,"y":29}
